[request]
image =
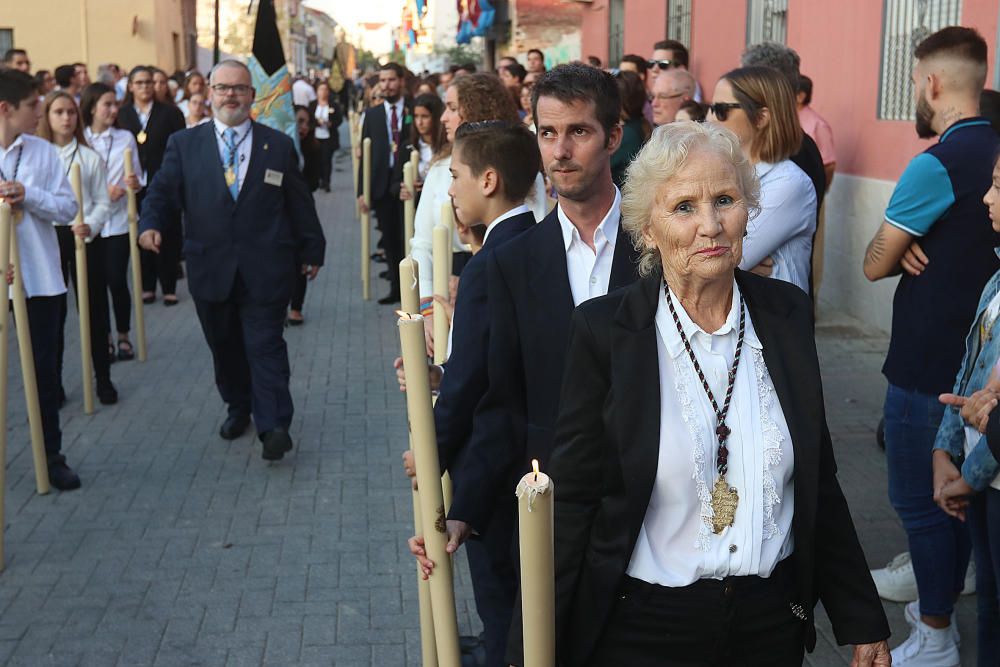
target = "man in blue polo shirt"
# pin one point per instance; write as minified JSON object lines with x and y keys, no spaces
{"x":937,"y":200}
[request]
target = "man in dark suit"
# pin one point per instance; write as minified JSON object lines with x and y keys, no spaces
{"x":577,"y":252}
{"x":251,"y":224}
{"x":152,"y":123}
{"x":388,"y":126}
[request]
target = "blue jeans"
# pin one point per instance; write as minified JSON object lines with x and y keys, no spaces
{"x":939,"y":544}
{"x":984,"y":527}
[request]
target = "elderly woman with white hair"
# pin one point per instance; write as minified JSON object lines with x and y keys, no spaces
{"x":698,"y":515}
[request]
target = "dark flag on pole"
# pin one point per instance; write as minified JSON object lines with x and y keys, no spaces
{"x":273,"y":105}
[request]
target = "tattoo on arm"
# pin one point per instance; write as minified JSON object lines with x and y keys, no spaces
{"x":876,"y":249}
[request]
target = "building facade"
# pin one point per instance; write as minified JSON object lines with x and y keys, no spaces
{"x":859,"y":56}
{"x":146,"y":32}
{"x":321,"y":31}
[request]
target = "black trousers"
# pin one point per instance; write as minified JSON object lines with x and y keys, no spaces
{"x":43,"y":321}
{"x":116,"y":269}
{"x":494,"y":584}
{"x":326,"y":149}
{"x":734,"y":622}
{"x":97,"y":289}
{"x":389,"y":211}
{"x":250,"y":356}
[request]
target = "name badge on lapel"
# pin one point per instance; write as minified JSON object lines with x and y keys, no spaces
{"x":272,"y":177}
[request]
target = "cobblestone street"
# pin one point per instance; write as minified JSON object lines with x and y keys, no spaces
{"x":183,"y":549}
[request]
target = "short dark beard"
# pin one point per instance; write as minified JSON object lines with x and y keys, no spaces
{"x":925,"y":119}
{"x":391,"y":100}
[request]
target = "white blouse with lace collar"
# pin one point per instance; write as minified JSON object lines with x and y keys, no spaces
{"x":676,"y":546}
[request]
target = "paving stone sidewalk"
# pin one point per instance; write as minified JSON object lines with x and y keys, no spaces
{"x":183,"y":549}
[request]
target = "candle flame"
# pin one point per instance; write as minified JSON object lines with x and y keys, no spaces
{"x":534,"y":466}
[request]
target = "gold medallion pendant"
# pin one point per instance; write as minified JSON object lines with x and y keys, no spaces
{"x":725,"y":499}
{"x":230,"y":176}
{"x":141,"y":137}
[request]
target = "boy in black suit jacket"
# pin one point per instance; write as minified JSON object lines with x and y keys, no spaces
{"x":493,"y":167}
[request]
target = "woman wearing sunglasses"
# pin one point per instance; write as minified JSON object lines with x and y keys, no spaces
{"x":758,"y":105}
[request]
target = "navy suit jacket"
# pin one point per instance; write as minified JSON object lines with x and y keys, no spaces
{"x":530,"y":305}
{"x":465,"y":379}
{"x":264,"y":236}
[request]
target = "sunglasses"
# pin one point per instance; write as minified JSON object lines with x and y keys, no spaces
{"x":721,"y":109}
{"x":662,"y":64}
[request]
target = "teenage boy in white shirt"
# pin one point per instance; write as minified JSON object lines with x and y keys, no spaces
{"x":33,"y":181}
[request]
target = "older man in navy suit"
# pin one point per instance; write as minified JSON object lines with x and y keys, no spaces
{"x":250,"y":225}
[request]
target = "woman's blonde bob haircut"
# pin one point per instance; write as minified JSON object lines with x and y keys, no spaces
{"x":757,"y":88}
{"x":666,"y":152}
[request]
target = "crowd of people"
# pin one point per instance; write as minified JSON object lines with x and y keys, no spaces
{"x":604,"y":219}
{"x":698,"y":517}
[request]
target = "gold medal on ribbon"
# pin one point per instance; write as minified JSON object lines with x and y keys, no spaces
{"x":394,"y":147}
{"x":230,"y":176}
{"x":725,"y":499}
{"x":141,"y":137}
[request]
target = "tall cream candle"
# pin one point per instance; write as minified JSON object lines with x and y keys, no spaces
{"x":410,"y":205}
{"x":23,"y":326}
{"x":133,"y":238}
{"x":425,"y":453}
{"x":535,"y":523}
{"x":366,"y":227}
{"x":5,"y":223}
{"x":82,"y":295}
{"x":448,"y":220}
{"x":442,"y":255}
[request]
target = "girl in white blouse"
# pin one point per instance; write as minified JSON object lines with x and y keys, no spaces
{"x":99,"y":111}
{"x":60,"y":124}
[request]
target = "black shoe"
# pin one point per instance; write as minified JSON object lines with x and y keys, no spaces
{"x":276,"y":443}
{"x":62,"y":477}
{"x":390,"y":298}
{"x":380,"y":259}
{"x":234,"y":426}
{"x":384,"y":274}
{"x":106,"y":393}
{"x":469,"y":643}
{"x":170,"y":301}
{"x":125,"y":351}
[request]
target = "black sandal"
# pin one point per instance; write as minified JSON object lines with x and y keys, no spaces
{"x":125,"y":351}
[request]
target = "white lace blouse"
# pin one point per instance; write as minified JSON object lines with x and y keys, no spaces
{"x":676,"y":545}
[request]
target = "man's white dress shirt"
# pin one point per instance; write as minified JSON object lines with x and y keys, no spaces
{"x":590,"y":269}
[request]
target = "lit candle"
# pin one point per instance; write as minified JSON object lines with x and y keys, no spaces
{"x":535,"y":520}
{"x":82,"y":295}
{"x":423,"y":439}
{"x":441,"y":262}
{"x":366,"y":189}
{"x":133,"y":239}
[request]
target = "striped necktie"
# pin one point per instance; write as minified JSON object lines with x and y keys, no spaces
{"x":232,"y":165}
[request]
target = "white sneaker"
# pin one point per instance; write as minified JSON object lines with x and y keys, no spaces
{"x":970,"y":579}
{"x":911,"y":613}
{"x":927,"y":647}
{"x":895,"y":582}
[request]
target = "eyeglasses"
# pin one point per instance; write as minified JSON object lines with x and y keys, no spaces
{"x":238,"y":89}
{"x":721,"y":109}
{"x":662,"y":64}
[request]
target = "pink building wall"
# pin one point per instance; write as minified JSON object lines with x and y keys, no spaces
{"x":841,"y":48}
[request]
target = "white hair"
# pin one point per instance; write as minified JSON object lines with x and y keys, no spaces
{"x":665,"y":153}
